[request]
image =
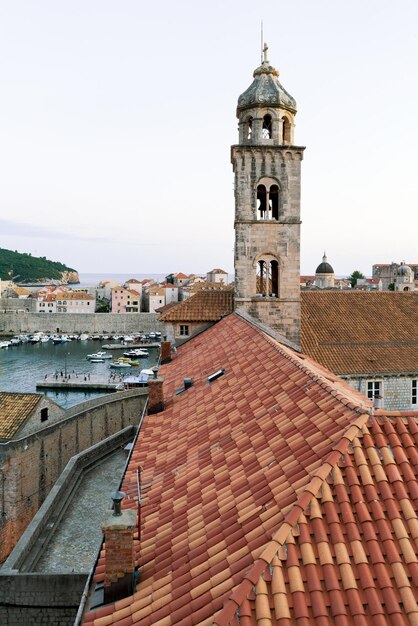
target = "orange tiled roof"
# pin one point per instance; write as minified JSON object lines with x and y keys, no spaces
{"x":15,"y":408}
{"x":271,"y":493}
{"x":204,"y":306}
{"x":361,"y":332}
{"x":75,"y":295}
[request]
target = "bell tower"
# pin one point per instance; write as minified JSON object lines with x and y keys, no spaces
{"x":267,"y":167}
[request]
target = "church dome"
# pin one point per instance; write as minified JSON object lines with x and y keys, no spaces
{"x":266,"y":91}
{"x":404,"y":270}
{"x":324,"y":267}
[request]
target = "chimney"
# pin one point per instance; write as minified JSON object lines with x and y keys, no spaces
{"x":155,"y":395}
{"x":165,"y":351}
{"x":188,"y":382}
{"x":119,"y":556}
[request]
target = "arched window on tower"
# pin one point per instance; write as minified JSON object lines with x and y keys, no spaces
{"x":267,"y":131}
{"x":261,"y":202}
{"x":267,"y":277}
{"x":268,"y":201}
{"x":286,"y":131}
{"x":274,"y":202}
{"x":249,"y":127}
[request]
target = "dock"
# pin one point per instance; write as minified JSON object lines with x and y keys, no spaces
{"x":130,"y":346}
{"x":81,"y":382}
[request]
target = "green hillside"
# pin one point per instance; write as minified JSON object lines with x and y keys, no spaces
{"x":24,"y":267}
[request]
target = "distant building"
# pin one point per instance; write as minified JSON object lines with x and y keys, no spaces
{"x":217,"y":276}
{"x":156,"y":298}
{"x":46,"y":304}
{"x":75,"y":302}
{"x":369,"y":284}
{"x":125,"y":300}
{"x":388,"y":272}
{"x":324,"y":275}
{"x":369,"y":339}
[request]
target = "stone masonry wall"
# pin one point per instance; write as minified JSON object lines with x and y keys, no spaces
{"x":396,"y":391}
{"x":46,"y":599}
{"x":30,"y":466}
{"x":276,"y":239}
{"x":109,"y":323}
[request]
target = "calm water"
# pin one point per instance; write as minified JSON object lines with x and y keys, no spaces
{"x":22,"y":366}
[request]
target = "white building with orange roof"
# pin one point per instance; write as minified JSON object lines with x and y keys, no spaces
{"x":75,"y":302}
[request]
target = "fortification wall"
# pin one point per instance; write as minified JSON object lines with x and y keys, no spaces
{"x":22,"y":321}
{"x":30,"y":466}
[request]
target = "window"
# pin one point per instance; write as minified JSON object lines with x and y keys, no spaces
{"x":44,"y":414}
{"x":267,"y":280}
{"x":373,"y":389}
{"x":249,"y":127}
{"x":266,"y":133}
{"x":184,"y":330}
{"x":286,"y":131}
{"x":268,"y":201}
{"x":414,"y":392}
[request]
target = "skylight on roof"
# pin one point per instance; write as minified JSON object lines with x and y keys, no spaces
{"x":215,"y":375}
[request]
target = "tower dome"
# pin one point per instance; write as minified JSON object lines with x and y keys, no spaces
{"x":404,"y":270}
{"x":265,"y":110}
{"x":324,"y":267}
{"x":266,"y":91}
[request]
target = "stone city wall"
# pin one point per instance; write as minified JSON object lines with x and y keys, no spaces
{"x":30,"y":466}
{"x":40,"y":599}
{"x":21,"y":321}
{"x":396,"y":391}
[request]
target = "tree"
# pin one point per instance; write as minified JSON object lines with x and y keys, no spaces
{"x":353,"y":278}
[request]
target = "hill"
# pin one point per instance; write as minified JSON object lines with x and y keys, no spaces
{"x":24,"y":267}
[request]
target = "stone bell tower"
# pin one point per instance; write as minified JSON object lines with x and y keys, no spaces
{"x":267,"y":168}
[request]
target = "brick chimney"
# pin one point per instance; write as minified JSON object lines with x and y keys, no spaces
{"x":165,"y":352}
{"x":119,"y":557}
{"x":155,"y":395}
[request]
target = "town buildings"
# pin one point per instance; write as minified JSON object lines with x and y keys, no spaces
{"x":390,"y":275}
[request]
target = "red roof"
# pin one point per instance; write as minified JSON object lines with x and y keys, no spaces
{"x":272,"y":493}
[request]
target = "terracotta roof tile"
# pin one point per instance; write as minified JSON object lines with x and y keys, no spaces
{"x":361,"y":332}
{"x":287,"y":510}
{"x":201,"y":307}
{"x":15,"y":408}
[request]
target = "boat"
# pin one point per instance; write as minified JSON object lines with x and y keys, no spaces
{"x":45,"y":339}
{"x":97,"y":360}
{"x":15,"y":341}
{"x":127,"y":339}
{"x":136,"y":352}
{"x":4,"y":344}
{"x":83,"y":337}
{"x":24,"y":338}
{"x":99,"y":355}
{"x":119,"y":364}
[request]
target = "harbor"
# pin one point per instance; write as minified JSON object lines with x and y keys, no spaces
{"x":64,"y":372}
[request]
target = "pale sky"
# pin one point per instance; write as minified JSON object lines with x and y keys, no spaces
{"x":117,"y":117}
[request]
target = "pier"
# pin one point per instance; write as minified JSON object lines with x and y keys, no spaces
{"x":130,"y":345}
{"x":82,"y":381}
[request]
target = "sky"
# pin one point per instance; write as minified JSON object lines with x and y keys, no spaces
{"x":117,"y":117}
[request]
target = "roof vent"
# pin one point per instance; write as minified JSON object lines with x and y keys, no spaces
{"x":188,"y":382}
{"x":215,"y":375}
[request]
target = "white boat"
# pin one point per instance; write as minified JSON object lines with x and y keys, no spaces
{"x":4,"y":344}
{"x":119,"y":364}
{"x":136,"y":352}
{"x":15,"y":341}
{"x":65,"y":338}
{"x":128,"y":338}
{"x":24,"y":338}
{"x":99,"y":355}
{"x":44,"y":339}
{"x":97,"y":360}
{"x":83,"y":337}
